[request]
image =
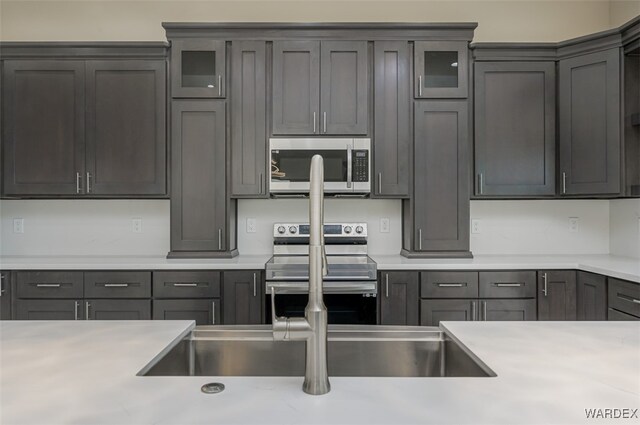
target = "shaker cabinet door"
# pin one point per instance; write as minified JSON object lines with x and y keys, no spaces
{"x":43,"y":134}
{"x":399,"y":299}
{"x":125,"y":127}
{"x":243,"y":299}
{"x":557,"y":295}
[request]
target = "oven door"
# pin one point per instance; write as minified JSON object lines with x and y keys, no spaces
{"x":347,"y":303}
{"x":290,"y":163}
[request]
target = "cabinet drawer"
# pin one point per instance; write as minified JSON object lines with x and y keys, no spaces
{"x":618,"y":316}
{"x":508,"y":284}
{"x":204,"y":312}
{"x":186,"y":284}
{"x":117,"y":284}
{"x":49,"y":284}
{"x":624,"y":296}
{"x":449,"y":284}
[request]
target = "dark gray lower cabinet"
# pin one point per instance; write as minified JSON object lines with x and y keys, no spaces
{"x":117,"y":309}
{"x":51,"y":309}
{"x":5,"y":295}
{"x":203,"y":311}
{"x":589,"y":123}
{"x":591,"y":296}
{"x":432,"y":312}
{"x":399,"y":303}
{"x":437,"y":220}
{"x":623,"y":300}
{"x":515,"y":128}
{"x":243,"y":298}
{"x":199,"y":221}
{"x":505,"y":309}
{"x":557,"y":295}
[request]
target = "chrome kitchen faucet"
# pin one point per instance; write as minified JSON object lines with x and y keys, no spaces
{"x":313,"y":327}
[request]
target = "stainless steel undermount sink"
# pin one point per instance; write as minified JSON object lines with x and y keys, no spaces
{"x":356,"y":351}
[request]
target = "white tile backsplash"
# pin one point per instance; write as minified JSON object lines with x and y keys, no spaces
{"x":104,"y":227}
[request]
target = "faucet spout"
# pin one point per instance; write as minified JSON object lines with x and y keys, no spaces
{"x":313,"y":328}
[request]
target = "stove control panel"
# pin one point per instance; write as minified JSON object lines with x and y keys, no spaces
{"x":330,"y":230}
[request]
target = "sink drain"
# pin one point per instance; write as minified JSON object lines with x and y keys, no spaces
{"x":212,"y":388}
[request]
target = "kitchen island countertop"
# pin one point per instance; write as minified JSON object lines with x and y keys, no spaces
{"x":547,"y":372}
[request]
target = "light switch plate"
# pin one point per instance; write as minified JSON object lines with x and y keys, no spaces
{"x":475,"y":226}
{"x":18,"y":225}
{"x":251,"y":225}
{"x":573,"y":224}
{"x":136,"y":225}
{"x":384,"y":225}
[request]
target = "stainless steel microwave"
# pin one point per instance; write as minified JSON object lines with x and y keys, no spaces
{"x":347,"y":164}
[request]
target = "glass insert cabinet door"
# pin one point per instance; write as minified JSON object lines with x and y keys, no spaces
{"x":198,"y":68}
{"x":441,"y":69}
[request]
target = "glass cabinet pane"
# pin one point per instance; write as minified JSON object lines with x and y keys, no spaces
{"x":199,"y":69}
{"x":440,"y":69}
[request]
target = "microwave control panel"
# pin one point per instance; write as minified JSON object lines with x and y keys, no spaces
{"x":360,"y":166}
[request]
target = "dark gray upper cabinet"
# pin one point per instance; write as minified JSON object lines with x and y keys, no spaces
{"x":248,"y":119}
{"x":557,"y":295}
{"x":296,"y":87}
{"x":243,"y":299}
{"x":5,"y":295}
{"x":589,"y":122}
{"x":440,"y":206}
{"x":320,"y":87}
{"x":392,"y":119}
{"x":125,"y":127}
{"x":591,"y":296}
{"x":399,"y":302}
{"x":441,"y":69}
{"x":515,"y":128}
{"x":198,"y":68}
{"x":43,"y":127}
{"x":198,"y":184}
{"x":631,"y":137}
{"x":344,"y":87}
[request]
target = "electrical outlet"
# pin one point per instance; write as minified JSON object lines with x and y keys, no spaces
{"x":251,"y":225}
{"x":18,"y":225}
{"x":475,"y":226}
{"x":136,"y":225}
{"x":384,"y":225}
{"x":573,"y":224}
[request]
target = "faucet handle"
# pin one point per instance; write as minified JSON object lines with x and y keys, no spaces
{"x":280,"y":324}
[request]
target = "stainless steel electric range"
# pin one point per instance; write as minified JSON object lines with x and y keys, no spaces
{"x":350,"y":287}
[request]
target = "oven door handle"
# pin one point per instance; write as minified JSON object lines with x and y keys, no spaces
{"x":349,"y":166}
{"x":327,"y":287}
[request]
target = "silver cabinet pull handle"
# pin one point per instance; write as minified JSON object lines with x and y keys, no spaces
{"x":213,"y":312}
{"x":324,"y":121}
{"x":564,"y":183}
{"x":386,"y":291}
{"x":379,"y":183}
{"x":86,"y":310}
{"x":88,"y":182}
{"x":544,"y":288}
{"x":480,"y":184}
{"x":314,"y":122}
{"x":484,"y":308}
{"x":219,"y":84}
{"x":630,"y":299}
{"x":220,"y":239}
{"x":255,"y":287}
{"x":420,"y":85}
{"x":48,"y":285}
{"x":185,"y":284}
{"x":473,"y":310}
{"x":77,"y":182}
{"x":261,"y":183}
{"x":349,"y":165}
{"x":116,"y":285}
{"x":449,"y":285}
{"x":77,"y":304}
{"x":420,"y":239}
{"x":508,"y":285}
{"x":2,"y":289}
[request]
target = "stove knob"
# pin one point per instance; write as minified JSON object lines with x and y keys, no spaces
{"x":347,"y":229}
{"x":281,"y":229}
{"x":293,"y":229}
{"x":359,"y":229}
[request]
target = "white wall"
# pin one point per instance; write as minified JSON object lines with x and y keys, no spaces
{"x":621,"y":11}
{"x":625,"y":227}
{"x":540,"y":227}
{"x":515,"y":20}
{"x":84,"y":227}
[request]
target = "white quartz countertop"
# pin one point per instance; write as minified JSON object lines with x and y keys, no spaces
{"x":625,"y":268}
{"x":547,"y":373}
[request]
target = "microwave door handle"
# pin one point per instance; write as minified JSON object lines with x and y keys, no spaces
{"x":349,"y":166}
